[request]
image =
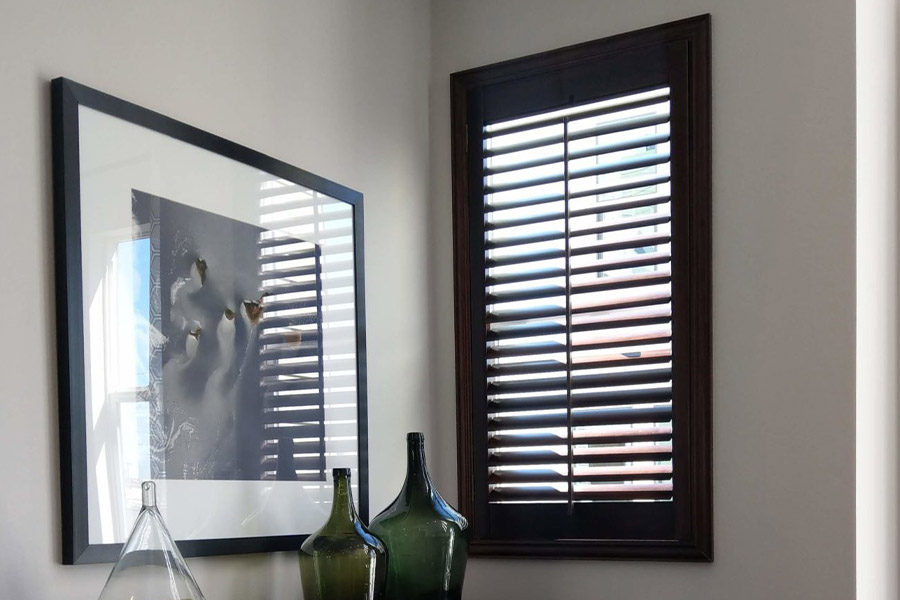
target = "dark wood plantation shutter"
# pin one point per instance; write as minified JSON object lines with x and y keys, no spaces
{"x":582,"y":240}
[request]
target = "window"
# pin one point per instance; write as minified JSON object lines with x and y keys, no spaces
{"x":582,"y":260}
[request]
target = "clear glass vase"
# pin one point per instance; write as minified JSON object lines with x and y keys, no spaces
{"x":343,"y":560}
{"x":426,"y":538}
{"x":150,"y":566}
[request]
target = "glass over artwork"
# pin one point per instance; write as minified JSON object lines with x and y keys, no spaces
{"x":213,"y":333}
{"x":221,"y":335}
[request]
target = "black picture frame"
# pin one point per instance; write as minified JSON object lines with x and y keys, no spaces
{"x":66,"y":98}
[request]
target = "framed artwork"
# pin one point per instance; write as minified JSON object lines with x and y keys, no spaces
{"x":211,"y":333}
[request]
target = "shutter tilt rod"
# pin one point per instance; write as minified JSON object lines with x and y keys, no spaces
{"x":571,"y":452}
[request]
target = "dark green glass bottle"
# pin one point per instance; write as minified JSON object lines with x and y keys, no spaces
{"x":427,"y":540}
{"x":343,"y":560}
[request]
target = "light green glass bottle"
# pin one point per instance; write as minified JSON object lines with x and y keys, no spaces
{"x":343,"y":560}
{"x":427,"y":540}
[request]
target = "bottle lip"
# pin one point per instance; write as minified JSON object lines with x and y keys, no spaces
{"x":415,"y":436}
{"x":340,"y":472}
{"x":148,"y":493}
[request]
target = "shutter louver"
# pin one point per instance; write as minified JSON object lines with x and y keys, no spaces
{"x":579,"y":303}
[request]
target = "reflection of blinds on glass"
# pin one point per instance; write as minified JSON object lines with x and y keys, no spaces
{"x":578,"y":316}
{"x":307,"y":278}
{"x":290,"y":333}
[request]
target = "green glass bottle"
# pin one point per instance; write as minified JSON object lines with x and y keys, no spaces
{"x":343,"y":560}
{"x":427,"y":540}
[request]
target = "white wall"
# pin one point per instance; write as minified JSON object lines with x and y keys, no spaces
{"x":337,"y":87}
{"x":877,"y":482}
{"x":783,"y":291}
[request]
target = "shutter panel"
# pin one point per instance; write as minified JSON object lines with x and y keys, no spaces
{"x":579,"y":304}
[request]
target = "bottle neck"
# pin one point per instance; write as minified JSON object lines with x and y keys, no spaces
{"x":417,"y":479}
{"x":343,"y":512}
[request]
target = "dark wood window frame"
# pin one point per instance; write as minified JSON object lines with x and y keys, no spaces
{"x":677,"y":55}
